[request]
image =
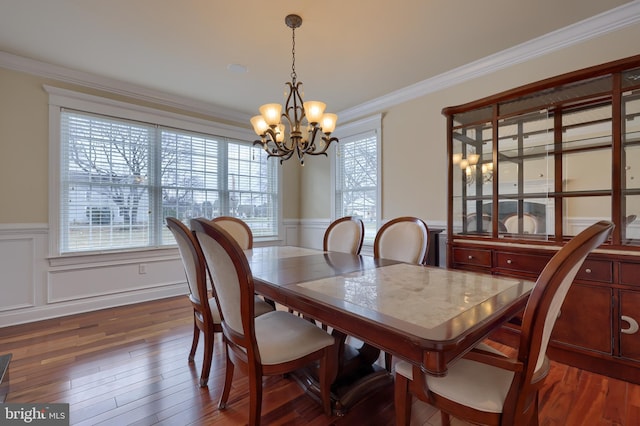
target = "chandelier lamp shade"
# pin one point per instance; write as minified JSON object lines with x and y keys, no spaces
{"x":303,"y":128}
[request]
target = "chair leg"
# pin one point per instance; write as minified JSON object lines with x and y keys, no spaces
{"x":194,"y":343}
{"x":402,"y":401}
{"x":327,"y":373}
{"x":208,"y":357}
{"x":228,"y":378}
{"x":387,"y":361}
{"x":445,"y":419}
{"x":255,"y":395}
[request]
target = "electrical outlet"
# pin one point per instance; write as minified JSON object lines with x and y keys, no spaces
{"x":142,"y":268}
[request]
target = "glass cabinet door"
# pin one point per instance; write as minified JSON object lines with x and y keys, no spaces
{"x":472,"y":157}
{"x":631,"y":158}
{"x":586,"y":165}
{"x":526,"y":175}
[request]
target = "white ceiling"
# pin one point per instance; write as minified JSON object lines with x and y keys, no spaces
{"x":348,"y":52}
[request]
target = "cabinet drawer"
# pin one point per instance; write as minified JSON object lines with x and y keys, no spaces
{"x":472,"y":257}
{"x":596,"y":270}
{"x":630,"y":273}
{"x":521,"y":262}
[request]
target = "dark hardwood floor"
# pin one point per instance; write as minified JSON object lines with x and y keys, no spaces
{"x":128,"y":365}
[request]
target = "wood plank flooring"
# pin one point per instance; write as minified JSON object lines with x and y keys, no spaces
{"x":128,"y":366}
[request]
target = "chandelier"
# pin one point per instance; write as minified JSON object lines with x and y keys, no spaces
{"x":295,"y":129}
{"x":470,"y":169}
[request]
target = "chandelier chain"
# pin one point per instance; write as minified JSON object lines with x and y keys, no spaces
{"x":293,"y":55}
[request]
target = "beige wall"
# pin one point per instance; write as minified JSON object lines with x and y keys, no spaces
{"x":23,"y":149}
{"x":414,"y":133}
{"x":413,"y":140}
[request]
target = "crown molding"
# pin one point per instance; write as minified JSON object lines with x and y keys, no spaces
{"x":598,"y":25}
{"x":84,"y":79}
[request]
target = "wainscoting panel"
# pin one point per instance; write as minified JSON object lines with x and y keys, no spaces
{"x":85,"y":282}
{"x":17,"y":257}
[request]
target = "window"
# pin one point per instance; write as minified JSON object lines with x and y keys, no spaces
{"x":120,"y":177}
{"x":357,"y":174}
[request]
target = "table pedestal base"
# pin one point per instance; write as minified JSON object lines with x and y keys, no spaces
{"x":358,"y":377}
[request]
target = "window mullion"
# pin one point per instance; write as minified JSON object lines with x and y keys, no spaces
{"x":155,"y":188}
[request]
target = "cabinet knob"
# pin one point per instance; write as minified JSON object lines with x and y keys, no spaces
{"x":508,"y":261}
{"x":588,"y":270}
{"x":470,"y":257}
{"x":633,"y":325}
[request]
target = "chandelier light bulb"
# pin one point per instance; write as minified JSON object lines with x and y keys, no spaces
{"x":271,"y":113}
{"x":329,"y":123}
{"x":259,"y":125}
{"x":314,"y":111}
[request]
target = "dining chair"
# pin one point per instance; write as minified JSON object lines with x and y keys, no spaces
{"x":344,"y":235}
{"x":485,"y":386}
{"x":529,"y":223}
{"x":206,"y":316}
{"x":405,"y":239}
{"x":271,"y":344}
{"x":238,"y":229}
{"x":472,"y":224}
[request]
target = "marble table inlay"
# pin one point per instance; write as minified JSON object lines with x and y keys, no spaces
{"x":400,"y":291}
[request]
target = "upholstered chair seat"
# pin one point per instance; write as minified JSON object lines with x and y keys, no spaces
{"x":473,"y":384}
{"x":276,"y":333}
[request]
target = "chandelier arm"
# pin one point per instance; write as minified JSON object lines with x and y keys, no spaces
{"x":328,"y":142}
{"x":279,"y":146}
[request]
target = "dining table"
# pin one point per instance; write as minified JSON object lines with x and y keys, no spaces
{"x":426,"y":315}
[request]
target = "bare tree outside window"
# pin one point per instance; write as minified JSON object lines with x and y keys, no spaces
{"x":121,"y":178}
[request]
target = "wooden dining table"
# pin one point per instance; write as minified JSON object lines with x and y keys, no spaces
{"x":425,"y":315}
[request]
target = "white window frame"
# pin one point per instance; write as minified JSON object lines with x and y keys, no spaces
{"x":365,"y":125}
{"x":63,"y":98}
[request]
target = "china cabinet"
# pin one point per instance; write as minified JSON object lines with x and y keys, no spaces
{"x":531,"y":167}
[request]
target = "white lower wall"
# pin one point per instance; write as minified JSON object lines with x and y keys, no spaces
{"x":31,"y":289}
{"x":34,"y":287}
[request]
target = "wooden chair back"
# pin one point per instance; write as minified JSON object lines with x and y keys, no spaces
{"x":233,"y":284}
{"x":238,"y":229}
{"x":541,"y":313}
{"x":194,"y":267}
{"x":405,"y":239}
{"x":206,"y":318}
{"x":344,"y":235}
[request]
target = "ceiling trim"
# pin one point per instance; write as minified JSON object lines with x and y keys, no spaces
{"x":598,"y":25}
{"x":609,"y":21}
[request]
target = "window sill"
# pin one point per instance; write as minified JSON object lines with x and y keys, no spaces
{"x":122,"y":256}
